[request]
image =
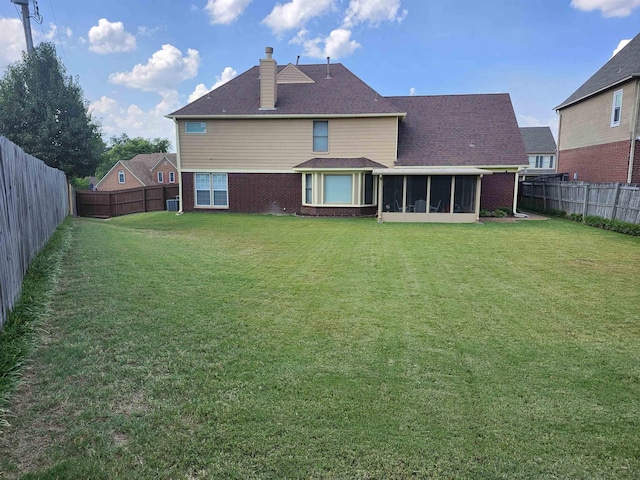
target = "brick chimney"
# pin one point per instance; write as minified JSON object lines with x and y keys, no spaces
{"x":268,"y":81}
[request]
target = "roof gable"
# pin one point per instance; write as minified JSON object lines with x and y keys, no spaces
{"x":123,"y":164}
{"x":622,"y":66}
{"x":459,"y":130}
{"x":538,"y":140}
{"x":341,"y":94}
{"x":292,"y":74}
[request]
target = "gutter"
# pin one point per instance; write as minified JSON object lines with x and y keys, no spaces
{"x":634,"y":131}
{"x":285,"y":116}
{"x":178,"y":167}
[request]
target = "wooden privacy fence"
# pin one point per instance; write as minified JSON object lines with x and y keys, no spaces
{"x":124,"y":202}
{"x":34,"y":200}
{"x":614,"y":201}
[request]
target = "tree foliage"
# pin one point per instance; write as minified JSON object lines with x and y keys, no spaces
{"x":125,"y":148}
{"x":42,"y":110}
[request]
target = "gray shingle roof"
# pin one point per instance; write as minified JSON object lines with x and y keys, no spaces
{"x":625,"y":64}
{"x":342,"y":94}
{"x":538,"y":140}
{"x":360,"y":162}
{"x":459,"y":130}
{"x":141,"y":165}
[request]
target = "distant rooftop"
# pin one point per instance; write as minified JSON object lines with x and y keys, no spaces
{"x":538,"y":140}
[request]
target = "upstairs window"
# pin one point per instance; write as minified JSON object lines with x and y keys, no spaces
{"x":195,"y":127}
{"x":172,"y":177}
{"x":616,"y":108}
{"x":120,"y":176}
{"x":160,"y":177}
{"x":321,"y":136}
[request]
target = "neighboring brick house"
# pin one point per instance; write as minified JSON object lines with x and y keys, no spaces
{"x":317,"y":140}
{"x":598,"y":135}
{"x":143,"y":170}
{"x":541,"y":149}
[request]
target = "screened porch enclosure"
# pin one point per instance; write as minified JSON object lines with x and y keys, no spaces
{"x":443,"y":196}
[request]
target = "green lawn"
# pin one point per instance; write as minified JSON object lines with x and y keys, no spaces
{"x":234,"y":346}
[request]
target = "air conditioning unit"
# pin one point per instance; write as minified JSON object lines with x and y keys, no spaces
{"x":173,"y":205}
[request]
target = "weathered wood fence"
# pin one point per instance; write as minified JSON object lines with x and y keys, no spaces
{"x":614,"y":201}
{"x":124,"y":202}
{"x":34,"y":200}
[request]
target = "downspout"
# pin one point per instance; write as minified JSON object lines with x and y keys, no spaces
{"x":515,"y":196}
{"x":179,"y":165}
{"x":634,"y":133}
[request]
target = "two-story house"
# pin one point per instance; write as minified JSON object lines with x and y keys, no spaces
{"x":599,"y":132}
{"x":317,"y":140}
{"x":541,"y":150}
{"x":143,"y":170}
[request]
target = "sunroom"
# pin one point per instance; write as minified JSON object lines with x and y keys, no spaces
{"x":429,"y":194}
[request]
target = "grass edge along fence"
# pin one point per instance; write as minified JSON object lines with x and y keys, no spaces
{"x":34,"y":200}
{"x":611,"y":201}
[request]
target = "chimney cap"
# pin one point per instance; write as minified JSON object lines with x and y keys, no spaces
{"x":268,"y":51}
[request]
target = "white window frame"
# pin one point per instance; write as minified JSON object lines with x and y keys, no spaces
{"x":313,"y":136}
{"x":616,"y":95}
{"x":172,"y":177}
{"x":317,"y":189}
{"x":160,"y":177}
{"x":202,"y":125}
{"x":212,"y":191}
{"x":121,"y":176}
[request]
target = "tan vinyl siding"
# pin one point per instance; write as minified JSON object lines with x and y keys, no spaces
{"x":110,"y":182}
{"x":268,"y":84}
{"x":281,"y":144}
{"x":588,"y":123}
{"x":291,"y":74}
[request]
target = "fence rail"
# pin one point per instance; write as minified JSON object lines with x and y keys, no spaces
{"x":34,"y":200}
{"x":124,"y":202}
{"x":614,"y":201}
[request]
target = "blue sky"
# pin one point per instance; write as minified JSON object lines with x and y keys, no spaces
{"x":140,"y":60}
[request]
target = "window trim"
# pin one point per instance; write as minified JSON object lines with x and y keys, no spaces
{"x":614,"y":122}
{"x":124,"y":178}
{"x":212,"y":191}
{"x":160,"y":177}
{"x":172,"y":177}
{"x":313,"y":136}
{"x":317,"y":188}
{"x":203,"y":125}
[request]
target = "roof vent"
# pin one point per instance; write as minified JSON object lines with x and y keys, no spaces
{"x":328,"y":72}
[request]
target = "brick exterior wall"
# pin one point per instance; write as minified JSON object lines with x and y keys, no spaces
{"x":110,"y":182}
{"x":635,"y":175}
{"x":497,"y":191}
{"x":604,"y":163}
{"x":274,"y":193}
{"x":339,"y":211}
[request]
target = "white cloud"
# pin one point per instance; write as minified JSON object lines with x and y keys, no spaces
{"x":621,"y":45}
{"x":225,"y":11}
{"x":337,"y":45}
{"x":609,"y":8}
{"x":134,"y":121}
{"x":110,"y":37}
{"x":412,"y":91}
{"x":295,"y":14}
{"x":374,"y":12}
{"x":163,"y":71}
{"x":145,"y":31}
{"x":531,"y":121}
{"x":227,"y":74}
{"x":12,"y":40}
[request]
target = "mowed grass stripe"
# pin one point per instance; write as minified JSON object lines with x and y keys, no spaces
{"x":238,"y":346}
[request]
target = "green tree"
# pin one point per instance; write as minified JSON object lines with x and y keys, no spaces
{"x":42,"y":110}
{"x":125,"y":148}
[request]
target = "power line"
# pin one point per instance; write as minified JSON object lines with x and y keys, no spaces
{"x":55,"y":21}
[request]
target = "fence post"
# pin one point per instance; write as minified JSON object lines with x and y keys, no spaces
{"x":585,"y":205}
{"x":144,"y":199}
{"x":544,"y":196}
{"x":615,"y":201}
{"x":559,"y":195}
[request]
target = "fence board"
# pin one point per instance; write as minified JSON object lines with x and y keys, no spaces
{"x":607,"y":200}
{"x":124,"y":202}
{"x":34,"y":200}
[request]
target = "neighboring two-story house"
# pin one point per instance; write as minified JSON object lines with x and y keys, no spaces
{"x":598,"y":134}
{"x":143,"y":170}
{"x":316,"y":140}
{"x":541,"y":148}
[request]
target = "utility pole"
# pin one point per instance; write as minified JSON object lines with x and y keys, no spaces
{"x":26,"y":22}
